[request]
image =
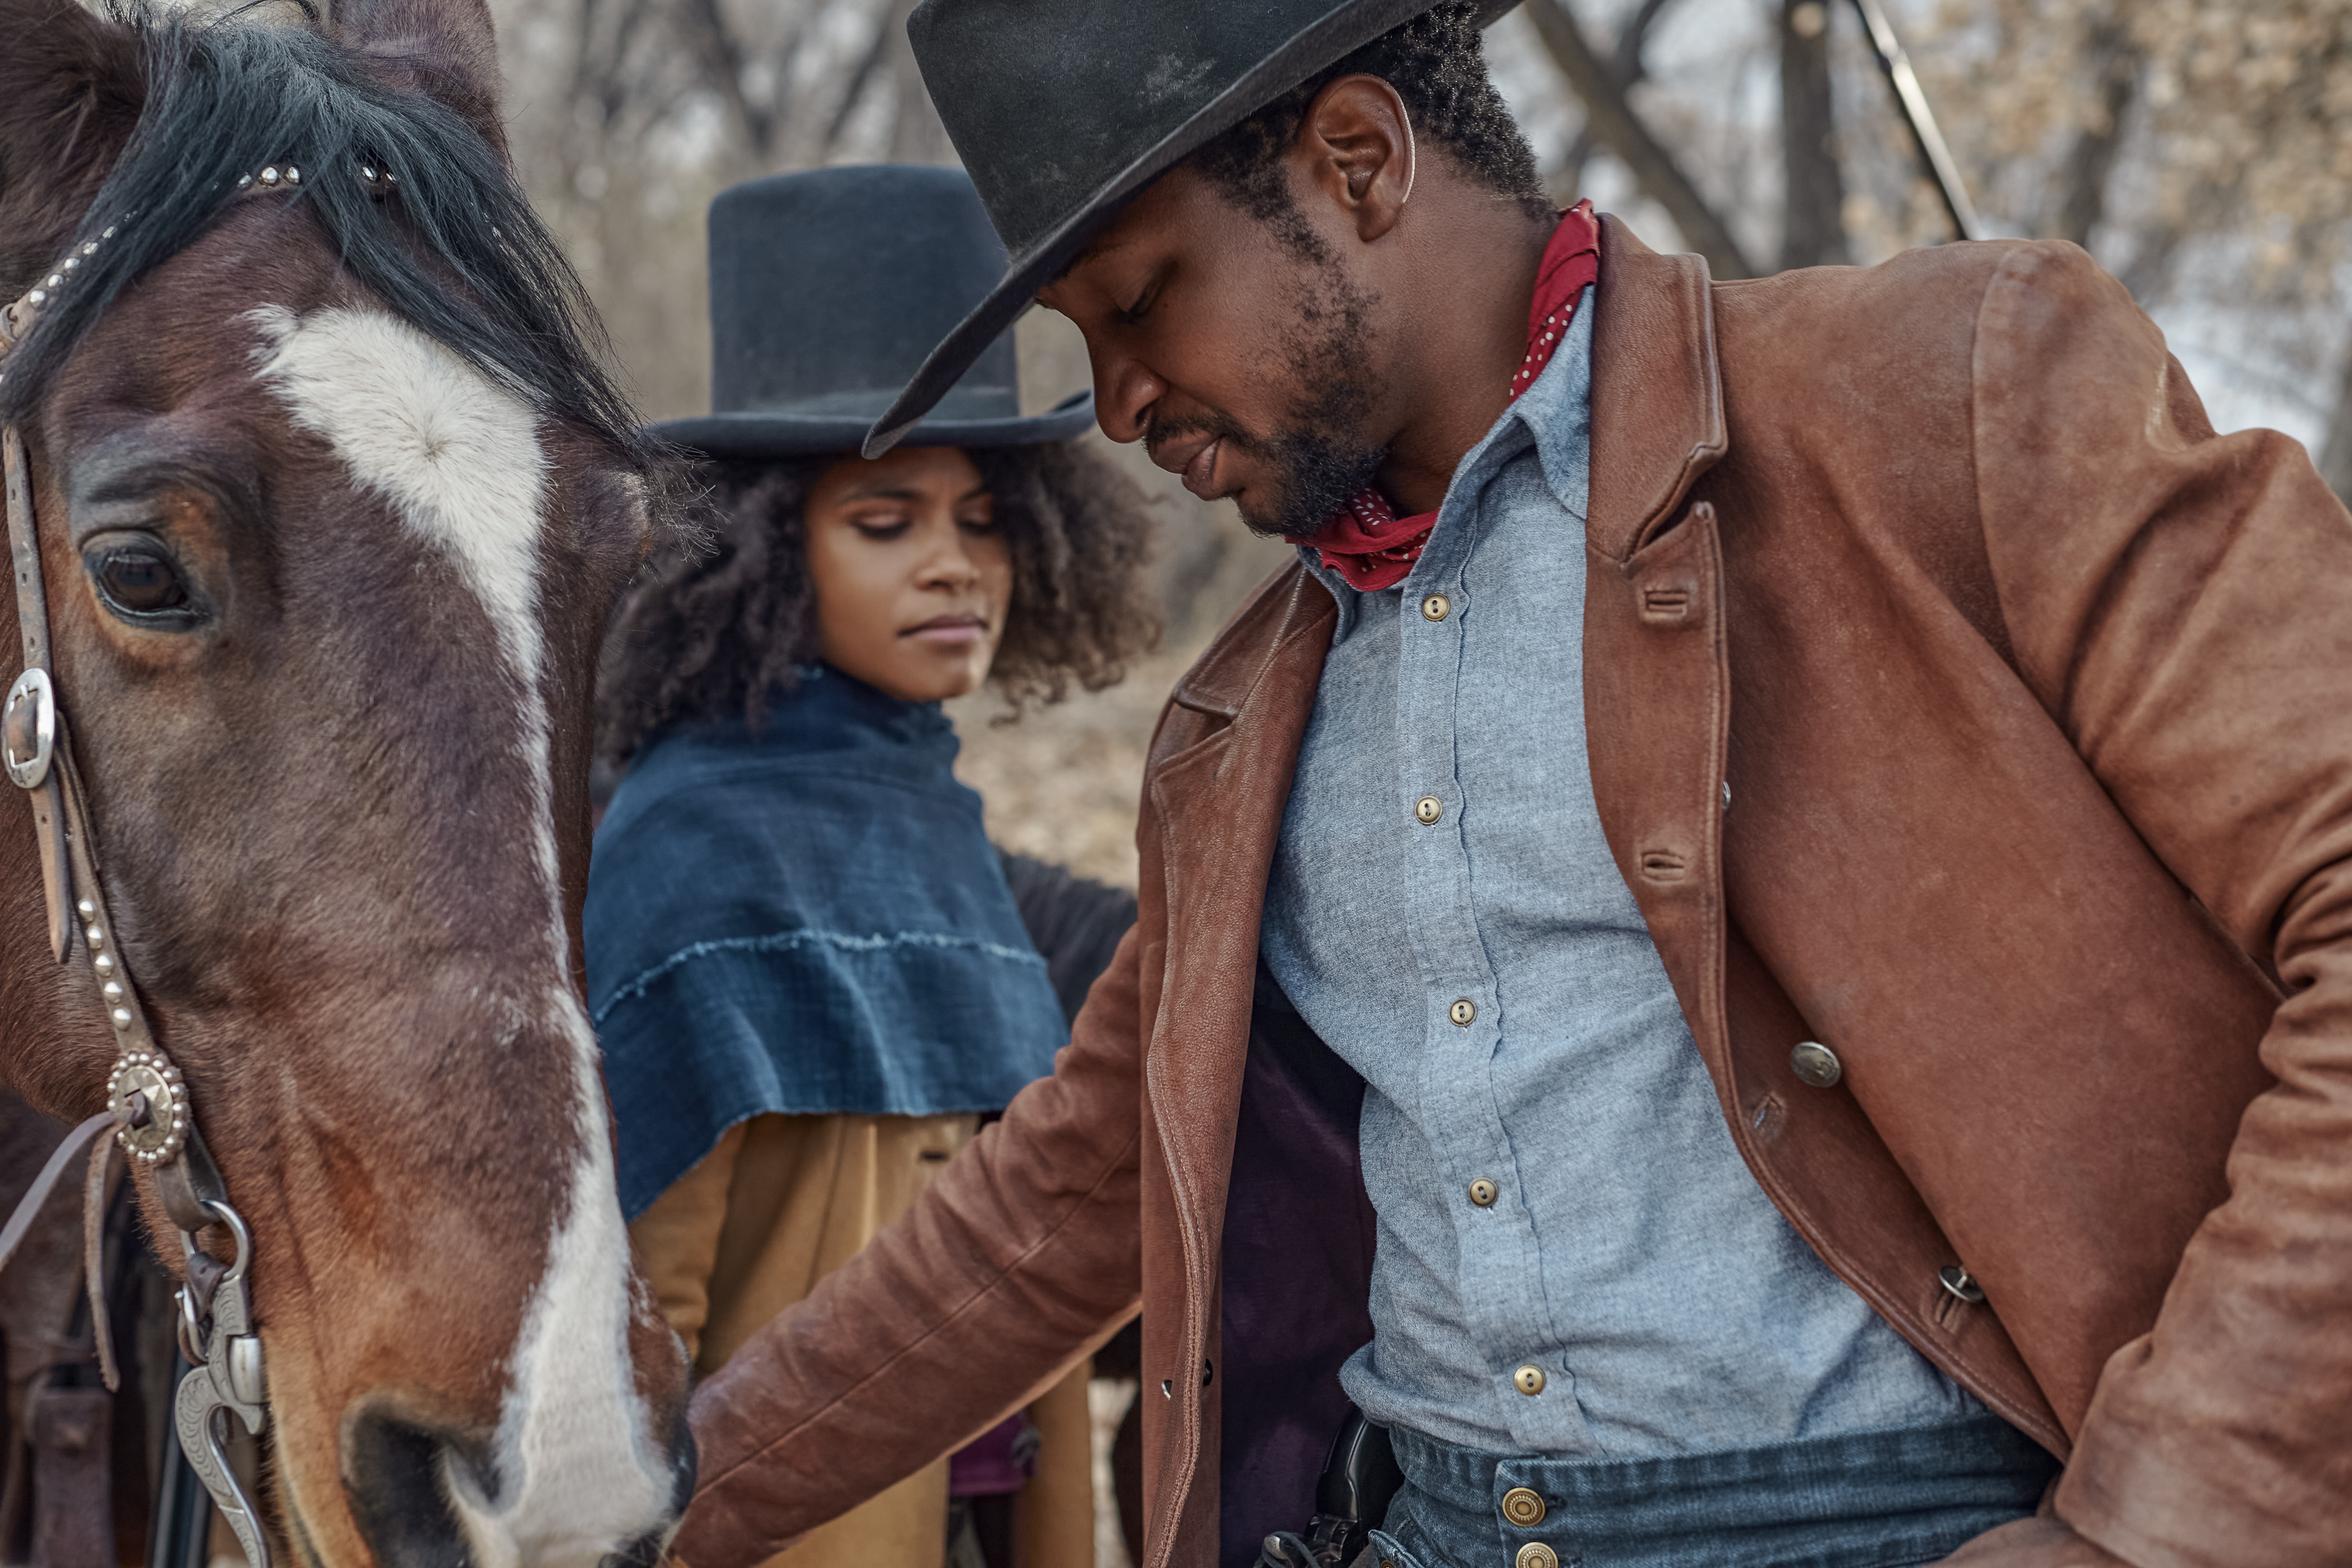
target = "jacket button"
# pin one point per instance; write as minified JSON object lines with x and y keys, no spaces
{"x":1464,"y":1012}
{"x":1522,"y":1506}
{"x":1816,"y":1064}
{"x":1428,"y":809}
{"x":1528,"y":1380}
{"x":1436,"y":607}
{"x":1535,"y":1554}
{"x":1484,"y":1192}
{"x":1957,"y":1280}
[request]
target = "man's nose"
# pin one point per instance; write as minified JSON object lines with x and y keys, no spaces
{"x":1125,"y":393}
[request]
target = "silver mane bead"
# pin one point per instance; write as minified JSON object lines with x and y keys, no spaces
{"x":108,"y":235}
{"x":70,"y":264}
{"x":293,"y":175}
{"x":36,"y":297}
{"x":89,"y":247}
{"x":269,"y":175}
{"x":57,"y":279}
{"x":242,"y":181}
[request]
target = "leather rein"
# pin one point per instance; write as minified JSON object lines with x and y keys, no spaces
{"x":147,"y":1100}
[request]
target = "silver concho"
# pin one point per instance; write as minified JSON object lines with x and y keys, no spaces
{"x":151,"y":1107}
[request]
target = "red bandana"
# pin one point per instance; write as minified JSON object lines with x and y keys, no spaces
{"x":1367,"y":544}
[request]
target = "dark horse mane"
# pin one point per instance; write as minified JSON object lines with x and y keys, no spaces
{"x":452,"y":248}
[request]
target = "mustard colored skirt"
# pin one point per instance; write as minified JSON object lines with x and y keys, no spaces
{"x":784,"y":1201}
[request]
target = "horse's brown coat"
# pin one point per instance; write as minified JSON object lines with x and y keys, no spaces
{"x":312,"y":814}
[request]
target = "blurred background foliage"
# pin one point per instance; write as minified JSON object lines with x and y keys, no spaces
{"x":2200,"y":149}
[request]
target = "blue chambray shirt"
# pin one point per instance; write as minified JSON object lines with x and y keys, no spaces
{"x":1628,"y":1254}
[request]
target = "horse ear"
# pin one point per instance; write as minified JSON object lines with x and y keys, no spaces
{"x":445,"y":50}
{"x":71,"y":92}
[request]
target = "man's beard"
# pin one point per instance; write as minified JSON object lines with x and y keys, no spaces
{"x":1320,"y":457}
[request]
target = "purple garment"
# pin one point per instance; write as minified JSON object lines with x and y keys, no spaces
{"x":1000,"y":1461}
{"x":1297,"y":1275}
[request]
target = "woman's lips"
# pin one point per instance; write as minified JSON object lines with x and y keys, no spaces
{"x":949,"y":631}
{"x":1199,"y":475}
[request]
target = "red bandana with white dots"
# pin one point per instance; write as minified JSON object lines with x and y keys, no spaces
{"x":1367,"y":544}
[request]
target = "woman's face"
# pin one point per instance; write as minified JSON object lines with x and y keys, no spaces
{"x":912,"y":576}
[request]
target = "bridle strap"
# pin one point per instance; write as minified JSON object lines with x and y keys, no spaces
{"x":166,"y":1139}
{"x":32,"y":628}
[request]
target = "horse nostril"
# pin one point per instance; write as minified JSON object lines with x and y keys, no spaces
{"x":391,"y":1474}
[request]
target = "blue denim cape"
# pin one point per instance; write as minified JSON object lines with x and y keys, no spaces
{"x":806,"y":920}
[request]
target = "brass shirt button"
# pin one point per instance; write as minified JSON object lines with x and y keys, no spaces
{"x":1528,"y":1380}
{"x":1464,"y":1012}
{"x":1535,"y":1554}
{"x":1522,"y":1506}
{"x":1484,"y":1192}
{"x":1815,"y":1063}
{"x":1436,"y":607}
{"x":1428,"y":808}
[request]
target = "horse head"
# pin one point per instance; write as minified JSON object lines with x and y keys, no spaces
{"x":331,"y":500}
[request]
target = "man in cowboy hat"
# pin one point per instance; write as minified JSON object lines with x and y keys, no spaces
{"x":1754,"y":947}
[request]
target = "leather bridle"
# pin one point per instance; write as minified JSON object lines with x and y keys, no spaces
{"x":147,"y":1100}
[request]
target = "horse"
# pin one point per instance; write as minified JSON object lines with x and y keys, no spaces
{"x":330,"y":497}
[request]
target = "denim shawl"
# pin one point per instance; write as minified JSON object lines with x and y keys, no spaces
{"x":808,"y":919}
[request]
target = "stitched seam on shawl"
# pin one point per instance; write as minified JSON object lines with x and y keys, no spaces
{"x":778,"y":942}
{"x":954,"y":1315}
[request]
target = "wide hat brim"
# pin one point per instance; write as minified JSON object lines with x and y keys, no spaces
{"x":758,"y":436}
{"x":1338,"y":33}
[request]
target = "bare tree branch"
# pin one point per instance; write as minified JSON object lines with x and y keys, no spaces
{"x":860,"y":80}
{"x":2335,"y":452}
{"x":1613,"y":120}
{"x":722,"y":62}
{"x":2084,"y":200}
{"x":1813,"y":226}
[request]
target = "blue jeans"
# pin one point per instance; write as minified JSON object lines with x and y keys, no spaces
{"x":1879,"y":1499}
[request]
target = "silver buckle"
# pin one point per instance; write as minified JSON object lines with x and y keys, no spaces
{"x":37,"y":730}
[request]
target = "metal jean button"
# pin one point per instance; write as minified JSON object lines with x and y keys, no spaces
{"x":1523,"y":1507}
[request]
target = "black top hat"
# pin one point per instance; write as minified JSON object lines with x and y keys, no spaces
{"x":826,"y":289}
{"x":1062,"y":109}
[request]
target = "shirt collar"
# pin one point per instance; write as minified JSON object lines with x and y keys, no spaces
{"x":1554,"y":417}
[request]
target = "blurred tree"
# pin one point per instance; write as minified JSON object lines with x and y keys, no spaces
{"x":1812,"y":224}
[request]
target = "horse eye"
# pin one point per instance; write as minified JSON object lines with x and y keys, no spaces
{"x":139,"y":585}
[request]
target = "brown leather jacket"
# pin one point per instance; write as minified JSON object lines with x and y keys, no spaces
{"x":1955,"y":697}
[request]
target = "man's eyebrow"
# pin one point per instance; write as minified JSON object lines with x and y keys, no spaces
{"x":1102,"y":245}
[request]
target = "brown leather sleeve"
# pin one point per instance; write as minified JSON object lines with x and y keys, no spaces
{"x":2182,"y":604}
{"x":1019,"y":1259}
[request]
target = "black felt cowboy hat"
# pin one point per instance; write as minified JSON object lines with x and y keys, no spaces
{"x":827,"y":288}
{"x":1062,"y":109}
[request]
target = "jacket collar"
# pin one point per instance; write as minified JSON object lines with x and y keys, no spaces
{"x":1657,"y":400}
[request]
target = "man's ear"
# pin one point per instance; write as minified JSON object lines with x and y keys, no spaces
{"x":445,"y":50}
{"x":71,"y":92}
{"x":1357,"y":141}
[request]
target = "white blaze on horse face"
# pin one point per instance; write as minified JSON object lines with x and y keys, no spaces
{"x":459,"y":459}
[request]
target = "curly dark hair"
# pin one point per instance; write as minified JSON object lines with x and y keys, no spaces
{"x":720,"y":616}
{"x":1438,"y":67}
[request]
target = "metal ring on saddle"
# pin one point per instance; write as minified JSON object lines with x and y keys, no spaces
{"x":28,"y":728}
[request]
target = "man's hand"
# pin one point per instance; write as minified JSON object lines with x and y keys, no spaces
{"x":2032,"y":1543}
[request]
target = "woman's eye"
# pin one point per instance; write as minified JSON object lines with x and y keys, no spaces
{"x":882,"y":530}
{"x":139,"y":585}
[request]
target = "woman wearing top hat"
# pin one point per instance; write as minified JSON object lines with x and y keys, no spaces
{"x":810,"y":973}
